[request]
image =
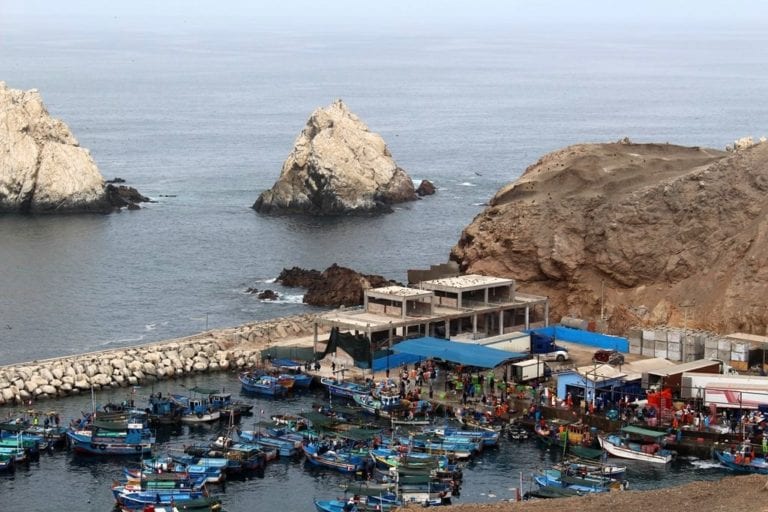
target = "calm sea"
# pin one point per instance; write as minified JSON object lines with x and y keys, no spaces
{"x":202,"y":122}
{"x":209,"y":118}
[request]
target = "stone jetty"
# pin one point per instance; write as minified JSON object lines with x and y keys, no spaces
{"x":211,"y":351}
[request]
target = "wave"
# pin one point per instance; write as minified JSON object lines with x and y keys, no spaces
{"x":705,"y":464}
{"x":467,"y":184}
{"x":287,"y":299}
{"x":479,"y":204}
{"x":120,"y":341}
{"x":150,"y":327}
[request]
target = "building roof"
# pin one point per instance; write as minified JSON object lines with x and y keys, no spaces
{"x":635,"y":369}
{"x":397,"y":291}
{"x":600,"y":372}
{"x":467,"y":354}
{"x":685,"y":367}
{"x":742,"y":336}
{"x":465,"y":283}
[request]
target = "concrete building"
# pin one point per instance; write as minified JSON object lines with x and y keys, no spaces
{"x":473,"y":305}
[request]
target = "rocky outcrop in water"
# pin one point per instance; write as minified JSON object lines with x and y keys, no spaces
{"x":43,"y":169}
{"x":666,"y":232}
{"x":335,"y":286}
{"x":337,"y":166}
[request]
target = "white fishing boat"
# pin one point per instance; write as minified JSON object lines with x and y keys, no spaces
{"x":638,"y":444}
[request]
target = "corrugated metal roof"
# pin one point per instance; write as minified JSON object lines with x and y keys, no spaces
{"x":468,"y":354}
{"x":685,"y":367}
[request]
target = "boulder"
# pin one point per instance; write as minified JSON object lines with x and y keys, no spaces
{"x":337,"y":166}
{"x":425,"y":188}
{"x":340,"y":286}
{"x":268,"y":295}
{"x":43,"y":169}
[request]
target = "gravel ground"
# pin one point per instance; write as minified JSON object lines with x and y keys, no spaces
{"x":731,"y":494}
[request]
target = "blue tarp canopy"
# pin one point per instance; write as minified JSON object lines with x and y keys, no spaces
{"x":395,"y":361}
{"x":468,"y":354}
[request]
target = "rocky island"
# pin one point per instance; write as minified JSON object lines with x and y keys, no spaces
{"x":43,"y":169}
{"x":642,"y":232}
{"x":338,"y":166}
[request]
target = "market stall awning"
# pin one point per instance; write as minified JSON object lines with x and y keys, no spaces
{"x":468,"y":354}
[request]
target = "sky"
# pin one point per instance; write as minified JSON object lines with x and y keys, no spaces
{"x":169,"y":15}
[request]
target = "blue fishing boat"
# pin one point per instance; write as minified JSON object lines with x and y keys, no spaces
{"x":488,"y":438}
{"x":339,"y":460}
{"x":126,"y":439}
{"x":742,"y":460}
{"x":197,"y":409}
{"x":262,"y":384}
{"x":458,"y":448}
{"x":286,"y":448}
{"x":180,"y":498}
{"x":289,"y":367}
{"x":163,"y":411}
{"x":344,"y":389}
{"x":575,"y":482}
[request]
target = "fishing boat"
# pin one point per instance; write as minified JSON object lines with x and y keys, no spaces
{"x":585,"y":467}
{"x":163,"y":411}
{"x":197,"y":409}
{"x":342,"y":461}
{"x":382,"y":406}
{"x":345,"y":389}
{"x":241,"y":457}
{"x":742,"y":459}
{"x":229,"y":408}
{"x":180,"y":498}
{"x":262,"y":385}
{"x":575,"y":482}
{"x":488,"y":438}
{"x":285,"y":447}
{"x":293,"y":369}
{"x":638,"y":444}
{"x":457,"y":448}
{"x":112,"y":439}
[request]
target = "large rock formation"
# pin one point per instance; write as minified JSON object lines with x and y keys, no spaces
{"x":335,"y":286}
{"x":666,"y":232}
{"x":337,"y":166}
{"x":43,"y":169}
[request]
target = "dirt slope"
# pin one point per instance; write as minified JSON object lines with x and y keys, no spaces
{"x":658,"y":226}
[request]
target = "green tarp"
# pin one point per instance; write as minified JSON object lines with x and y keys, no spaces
{"x":642,"y":431}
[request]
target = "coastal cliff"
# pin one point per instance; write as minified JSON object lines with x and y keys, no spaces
{"x":337,"y":166}
{"x":647,"y":233}
{"x":43,"y":169}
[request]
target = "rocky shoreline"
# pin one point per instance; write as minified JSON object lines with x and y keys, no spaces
{"x":215,"y":350}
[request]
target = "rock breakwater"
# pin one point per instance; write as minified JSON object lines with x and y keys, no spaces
{"x":217,"y":350}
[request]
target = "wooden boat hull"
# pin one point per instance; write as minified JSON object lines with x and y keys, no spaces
{"x":627,"y":453}
{"x":758,"y":465}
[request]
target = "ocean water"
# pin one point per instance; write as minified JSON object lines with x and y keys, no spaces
{"x":209,"y":117}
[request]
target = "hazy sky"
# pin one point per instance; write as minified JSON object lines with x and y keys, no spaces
{"x":170,"y":14}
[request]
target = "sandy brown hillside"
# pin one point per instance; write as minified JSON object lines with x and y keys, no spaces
{"x":659,"y":225}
